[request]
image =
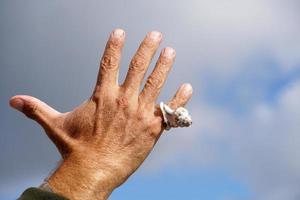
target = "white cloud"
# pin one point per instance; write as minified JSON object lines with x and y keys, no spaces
{"x":262,"y":147}
{"x":218,"y":41}
{"x":268,"y":149}
{"x":225,"y":35}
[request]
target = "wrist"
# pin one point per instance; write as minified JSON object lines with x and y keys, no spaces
{"x":80,"y":179}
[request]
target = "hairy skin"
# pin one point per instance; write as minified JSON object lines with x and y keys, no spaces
{"x":105,"y":139}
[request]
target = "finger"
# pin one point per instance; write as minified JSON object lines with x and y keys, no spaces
{"x":158,"y":77}
{"x":109,"y":65}
{"x":182,"y":96}
{"x":180,"y":99}
{"x":33,"y":108}
{"x":141,"y":60}
{"x":45,"y":115}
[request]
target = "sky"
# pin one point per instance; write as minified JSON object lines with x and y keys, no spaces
{"x":241,"y":56}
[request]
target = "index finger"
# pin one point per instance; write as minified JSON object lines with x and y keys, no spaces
{"x":109,"y":65}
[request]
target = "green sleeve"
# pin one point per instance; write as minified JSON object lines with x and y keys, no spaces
{"x":39,"y":194}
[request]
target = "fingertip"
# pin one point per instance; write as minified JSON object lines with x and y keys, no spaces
{"x":155,"y":35}
{"x":182,"y":96}
{"x":17,"y":103}
{"x":118,"y":33}
{"x":169,"y":52}
{"x":187,"y":89}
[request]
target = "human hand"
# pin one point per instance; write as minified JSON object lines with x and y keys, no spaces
{"x":106,"y":138}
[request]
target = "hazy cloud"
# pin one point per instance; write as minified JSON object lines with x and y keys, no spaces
{"x":242,"y":58}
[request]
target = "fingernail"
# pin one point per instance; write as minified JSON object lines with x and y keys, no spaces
{"x":187,"y":89}
{"x":155,"y":35}
{"x":118,"y":33}
{"x":17,"y":104}
{"x":169,"y":52}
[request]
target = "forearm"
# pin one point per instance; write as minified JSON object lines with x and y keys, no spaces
{"x":78,"y":179}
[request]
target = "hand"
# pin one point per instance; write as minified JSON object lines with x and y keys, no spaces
{"x":106,"y":138}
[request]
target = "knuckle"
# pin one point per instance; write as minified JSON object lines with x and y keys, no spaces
{"x":109,"y":62}
{"x":31,"y":110}
{"x":96,"y":97}
{"x":151,"y":124}
{"x":142,"y":113}
{"x":138,"y":64}
{"x":154,"y":82}
{"x":142,"y":117}
{"x":154,"y":126}
{"x":122,"y":102}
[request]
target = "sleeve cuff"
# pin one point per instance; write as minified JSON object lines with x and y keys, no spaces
{"x":39,"y":194}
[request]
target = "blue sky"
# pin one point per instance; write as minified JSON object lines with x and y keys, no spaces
{"x":172,"y":185}
{"x":242,"y":58}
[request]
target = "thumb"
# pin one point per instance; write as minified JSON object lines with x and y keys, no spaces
{"x":47,"y":117}
{"x":34,"y":109}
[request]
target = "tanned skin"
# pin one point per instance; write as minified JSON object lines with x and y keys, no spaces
{"x":105,"y":139}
